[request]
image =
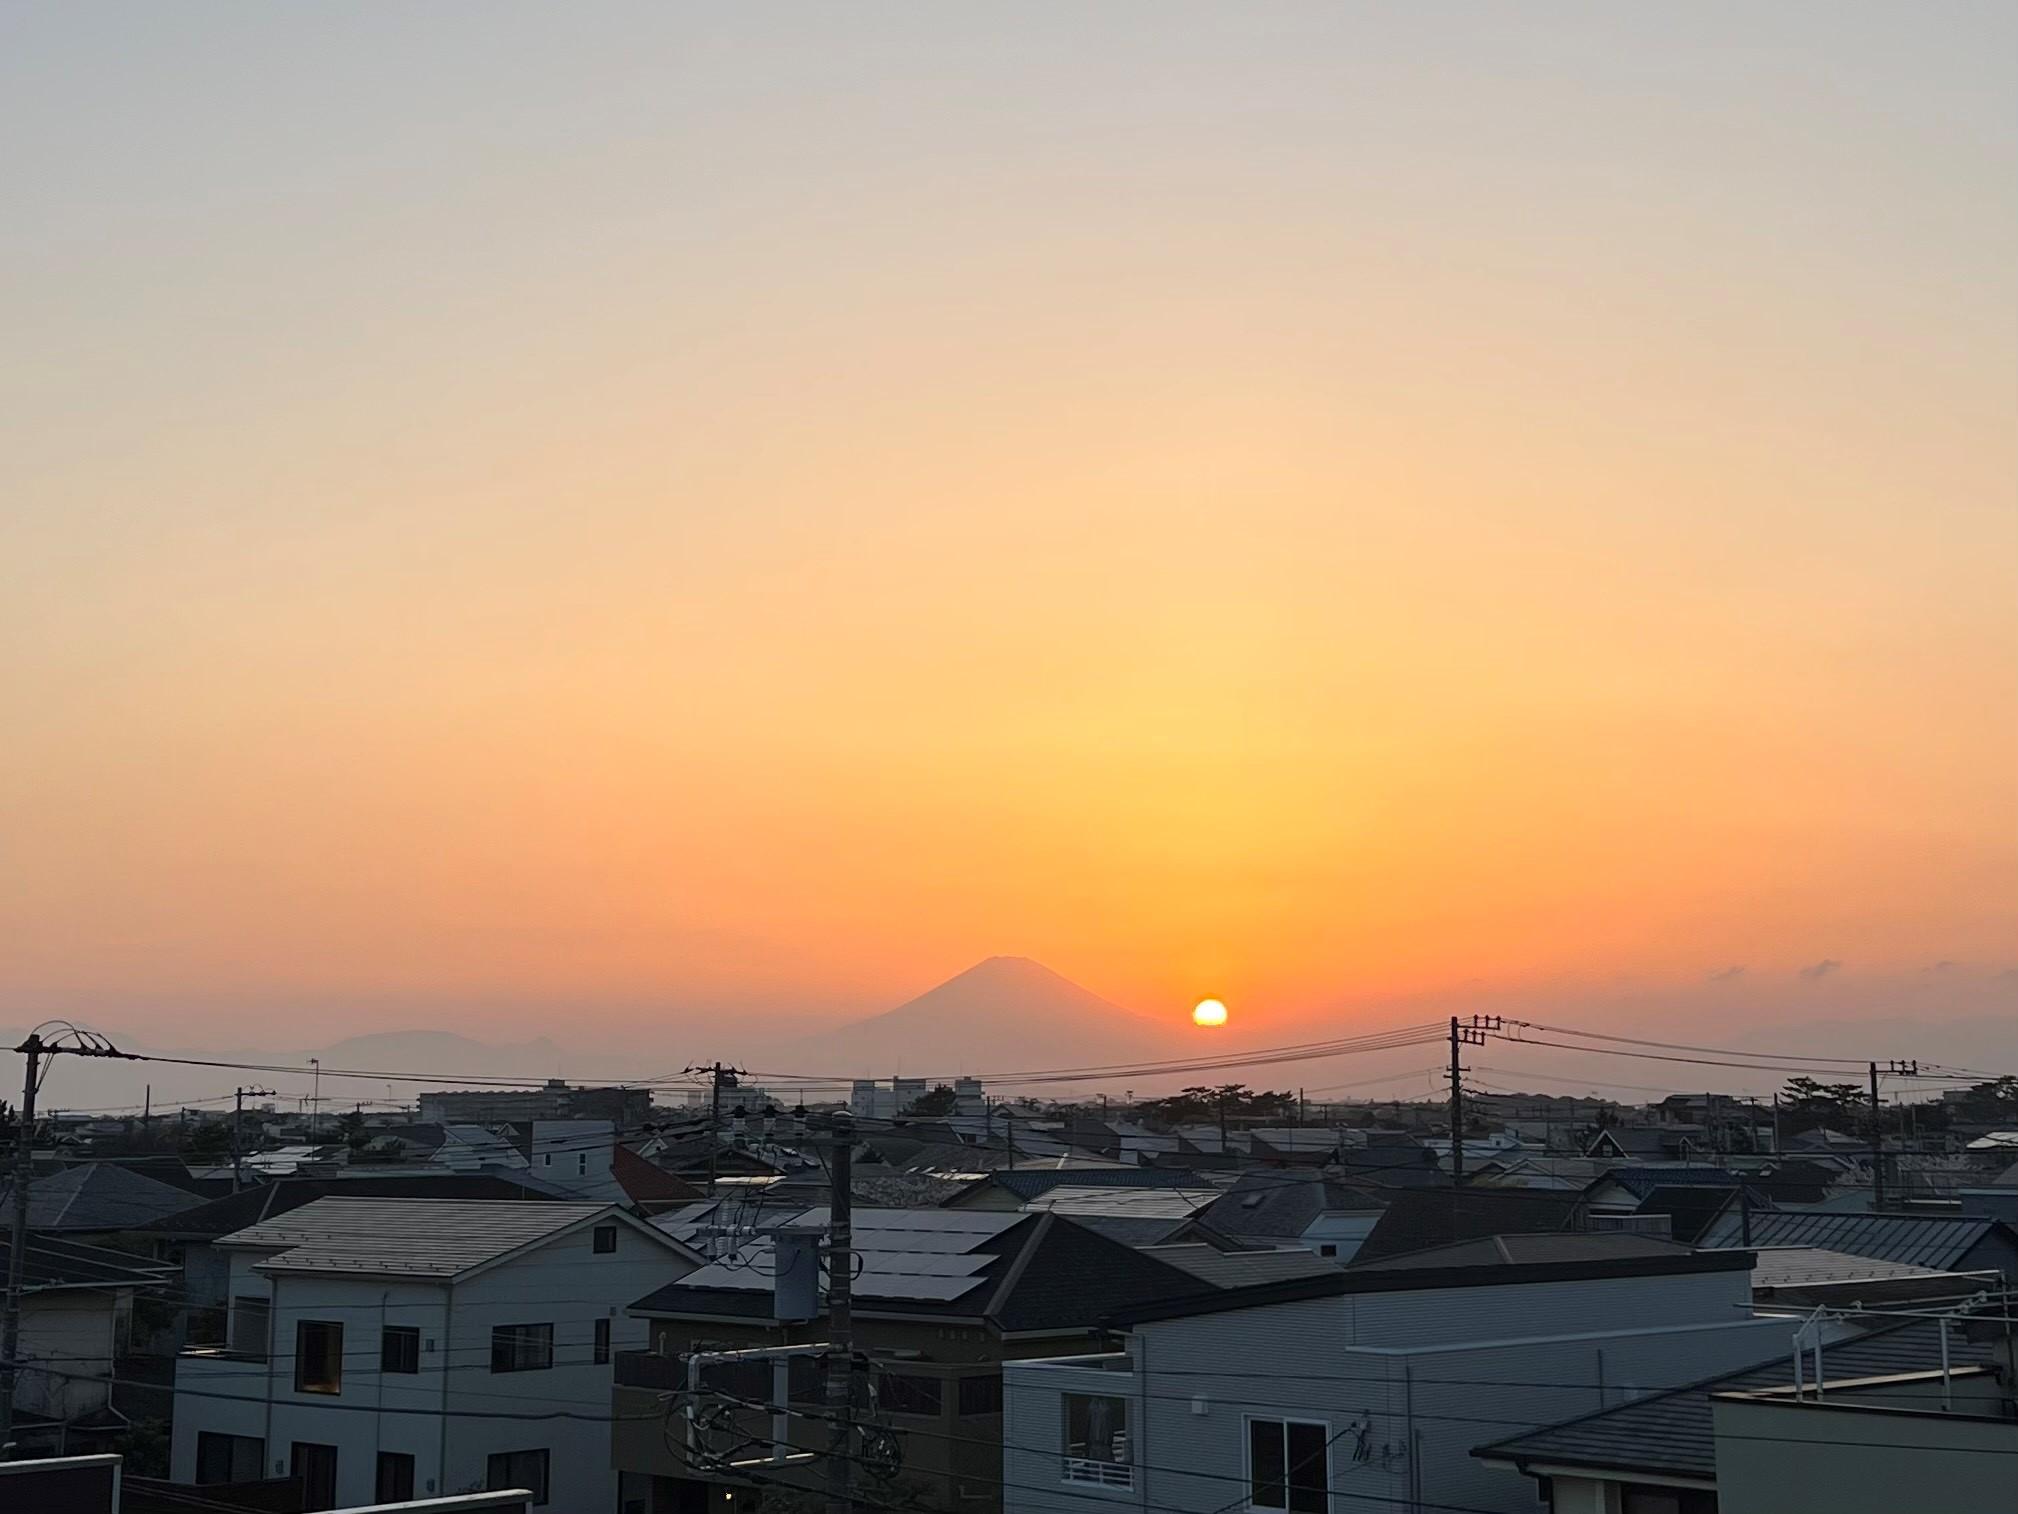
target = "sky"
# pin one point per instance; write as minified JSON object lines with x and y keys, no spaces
{"x":518,"y":517}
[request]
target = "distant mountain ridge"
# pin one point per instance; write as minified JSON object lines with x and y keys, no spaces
{"x":1004,"y":1014}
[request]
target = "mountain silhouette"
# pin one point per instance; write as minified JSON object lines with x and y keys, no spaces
{"x":1005,"y":1014}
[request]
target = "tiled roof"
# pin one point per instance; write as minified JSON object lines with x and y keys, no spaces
{"x":97,"y":1196}
{"x":1141,"y":1203}
{"x":1238,"y":1269}
{"x":1670,"y":1433}
{"x":406,"y":1237}
{"x":1282,"y":1204}
{"x":1417,"y":1220}
{"x":1937,"y":1241}
{"x":266,"y":1200}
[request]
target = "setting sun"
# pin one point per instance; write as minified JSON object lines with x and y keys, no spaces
{"x":1208,"y":1012}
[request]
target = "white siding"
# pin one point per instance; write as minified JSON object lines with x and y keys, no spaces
{"x":1407,"y":1382}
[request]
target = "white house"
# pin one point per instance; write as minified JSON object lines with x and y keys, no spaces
{"x":1365,"y":1390}
{"x":386,"y":1348}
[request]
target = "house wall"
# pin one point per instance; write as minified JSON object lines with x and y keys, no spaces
{"x":1408,"y":1383}
{"x":1347,"y":1232}
{"x":1809,"y":1458}
{"x":564,"y":1284}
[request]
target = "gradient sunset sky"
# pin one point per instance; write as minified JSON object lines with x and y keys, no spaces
{"x":635,"y":509}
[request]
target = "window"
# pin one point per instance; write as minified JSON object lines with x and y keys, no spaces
{"x":582,"y":1165}
{"x":399,"y":1349}
{"x":316,"y":1467}
{"x":395,"y":1477}
{"x":981,"y":1395}
{"x":521,"y":1348}
{"x":605,"y":1239}
{"x":1288,"y":1465}
{"x":248,"y":1328}
{"x":1327,"y":1249}
{"x":1096,"y":1440}
{"x":518,"y":1469}
{"x":907,"y":1393}
{"x":602,"y":1342}
{"x":318,"y":1357}
{"x":229,"y":1458}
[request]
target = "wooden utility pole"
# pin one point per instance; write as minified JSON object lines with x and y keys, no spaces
{"x":83,"y":1043}
{"x":719,"y":1077}
{"x":17,"y":1253}
{"x":841,"y":1317}
{"x":237,"y":1145}
{"x":1456,"y":1111}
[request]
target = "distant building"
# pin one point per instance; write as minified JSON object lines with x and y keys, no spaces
{"x":870,"y":1100}
{"x":555,"y":1101}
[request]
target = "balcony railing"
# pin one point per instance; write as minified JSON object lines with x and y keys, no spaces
{"x":1101,"y":1474}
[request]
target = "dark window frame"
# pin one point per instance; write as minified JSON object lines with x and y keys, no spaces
{"x":911,"y":1393}
{"x":400,"y":1485}
{"x":399,"y":1350}
{"x":603,"y":1240}
{"x":501,"y":1470}
{"x":1282,"y":1483}
{"x":330,"y":1332}
{"x":522,"y":1348}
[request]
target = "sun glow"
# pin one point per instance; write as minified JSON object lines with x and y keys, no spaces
{"x":1208,"y":1012}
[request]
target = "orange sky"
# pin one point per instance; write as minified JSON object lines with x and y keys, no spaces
{"x":1308,"y":504}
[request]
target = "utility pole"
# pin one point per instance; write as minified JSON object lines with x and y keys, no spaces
{"x":719,"y":1077}
{"x":237,"y":1147}
{"x":1472,"y":1033}
{"x":315,"y":1103}
{"x":841,"y":1317}
{"x":1900,"y":1069}
{"x":87,"y":1044}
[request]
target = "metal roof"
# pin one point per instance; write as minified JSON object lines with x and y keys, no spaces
{"x":1523,"y":1250}
{"x":1793,"y":1266}
{"x":1936,"y":1241}
{"x":406,"y":1237}
{"x":1671,"y":1433}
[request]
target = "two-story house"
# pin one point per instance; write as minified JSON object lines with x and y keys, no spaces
{"x":1365,"y":1390}
{"x":384,"y":1348}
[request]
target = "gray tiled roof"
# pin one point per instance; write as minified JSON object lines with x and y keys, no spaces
{"x":1670,"y":1433}
{"x":405,"y":1237}
{"x":97,"y":1196}
{"x":1237,"y":1269}
{"x":1937,"y":1241}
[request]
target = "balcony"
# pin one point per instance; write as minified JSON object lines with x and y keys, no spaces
{"x":648,"y":1369}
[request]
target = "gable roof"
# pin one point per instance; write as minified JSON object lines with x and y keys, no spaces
{"x":424,"y":1238}
{"x":1641,"y":1179}
{"x":1421,"y":1218}
{"x":648,"y":1183}
{"x":1017,"y":1272}
{"x":1282,"y":1204}
{"x":1690,"y":1208}
{"x":1926,"y":1240}
{"x":1241,"y":1269}
{"x":1671,"y":1433}
{"x":97,"y":1196}
{"x":264,"y":1201}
